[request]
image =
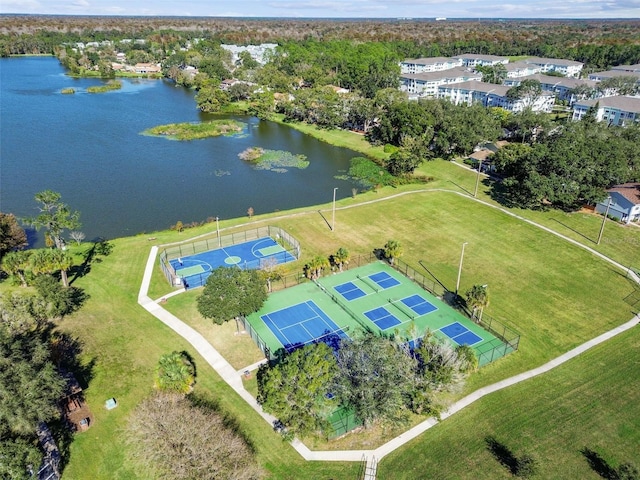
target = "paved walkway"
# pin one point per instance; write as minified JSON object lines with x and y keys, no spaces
{"x":234,"y":378}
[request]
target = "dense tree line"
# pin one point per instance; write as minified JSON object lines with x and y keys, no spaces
{"x":32,"y":359}
{"x":598,"y":43}
{"x":377,"y":378}
{"x":571,"y":166}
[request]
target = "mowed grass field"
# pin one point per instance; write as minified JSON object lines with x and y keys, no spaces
{"x":591,"y":402}
{"x":556,"y":294}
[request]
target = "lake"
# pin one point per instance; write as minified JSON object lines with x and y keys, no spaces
{"x":89,"y":147}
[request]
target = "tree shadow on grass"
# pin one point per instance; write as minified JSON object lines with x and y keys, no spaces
{"x":599,"y":464}
{"x":502,"y":454}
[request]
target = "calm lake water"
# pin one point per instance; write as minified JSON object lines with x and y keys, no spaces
{"x":89,"y":148}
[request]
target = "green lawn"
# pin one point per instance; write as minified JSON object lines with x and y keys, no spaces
{"x":557,"y":295}
{"x":236,"y":347}
{"x":123,"y":343}
{"x":591,"y":401}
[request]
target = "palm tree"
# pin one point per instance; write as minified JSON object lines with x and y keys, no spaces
{"x":49,"y":261}
{"x":341,"y":257}
{"x":61,"y":260}
{"x":16,"y":263}
{"x":176,"y":372}
{"x":315,"y":266}
{"x":392,"y":250}
{"x":477,"y":298}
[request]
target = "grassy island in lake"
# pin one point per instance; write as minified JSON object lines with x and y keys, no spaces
{"x":194,"y":131}
{"x":106,"y":87}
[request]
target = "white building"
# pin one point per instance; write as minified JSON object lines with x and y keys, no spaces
{"x":561,"y":87}
{"x":426,"y":84}
{"x":475,"y":60}
{"x":521,"y":69}
{"x":568,"y":68}
{"x":617,"y":110}
{"x":257,"y":52}
{"x":623,"y":203}
{"x":432,"y":64}
{"x":491,"y":95}
{"x":613,"y":73}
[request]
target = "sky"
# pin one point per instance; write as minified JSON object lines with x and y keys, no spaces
{"x":334,"y":8}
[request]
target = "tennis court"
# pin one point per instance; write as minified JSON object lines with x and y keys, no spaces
{"x":372,"y":297}
{"x":460,"y":334}
{"x":301,"y":324}
{"x":195,"y":269}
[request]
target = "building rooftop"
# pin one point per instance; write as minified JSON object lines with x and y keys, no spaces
{"x":616,"y":73}
{"x":511,"y":67}
{"x":429,"y":60}
{"x":568,"y":82}
{"x":628,"y":68}
{"x":620,"y":102}
{"x":552,"y":61}
{"x":630,"y":191}
{"x":477,"y":56}
{"x":479,"y":87}
{"x":455,"y":72}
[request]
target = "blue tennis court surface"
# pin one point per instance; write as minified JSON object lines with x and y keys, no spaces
{"x":419,"y":304}
{"x":460,"y":334}
{"x":382,"y":318}
{"x":303,"y":323}
{"x":349,"y":291}
{"x":195,"y":269}
{"x":384,"y":280}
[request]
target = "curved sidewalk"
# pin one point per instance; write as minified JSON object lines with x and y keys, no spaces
{"x":234,"y":380}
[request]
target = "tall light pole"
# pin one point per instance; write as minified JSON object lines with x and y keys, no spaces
{"x":333,"y":218}
{"x":218,"y":230}
{"x":606,"y":212}
{"x":460,"y":267}
{"x":475,"y":193}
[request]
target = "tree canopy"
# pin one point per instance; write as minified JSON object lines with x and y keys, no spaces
{"x":30,"y":386}
{"x":375,"y":377}
{"x":295,"y":389}
{"x":55,"y":217}
{"x":230,"y":293}
{"x":572,"y":166}
{"x":12,"y":235}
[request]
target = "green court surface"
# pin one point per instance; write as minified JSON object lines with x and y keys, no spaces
{"x":378,"y":298}
{"x":342,"y":420}
{"x":265,"y":252}
{"x":192,"y":270}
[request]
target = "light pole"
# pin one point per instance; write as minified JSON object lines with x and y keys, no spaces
{"x":218,"y":230}
{"x":606,"y":212}
{"x":475,"y":193}
{"x":333,"y":218}
{"x":460,"y":267}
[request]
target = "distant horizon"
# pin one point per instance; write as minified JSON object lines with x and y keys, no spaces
{"x":266,"y":17}
{"x":335,"y":9}
{"x":89,"y":15}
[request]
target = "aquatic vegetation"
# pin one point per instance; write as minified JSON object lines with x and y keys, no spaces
{"x":195,"y":131}
{"x":274,"y":160}
{"x":115,"y":85}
